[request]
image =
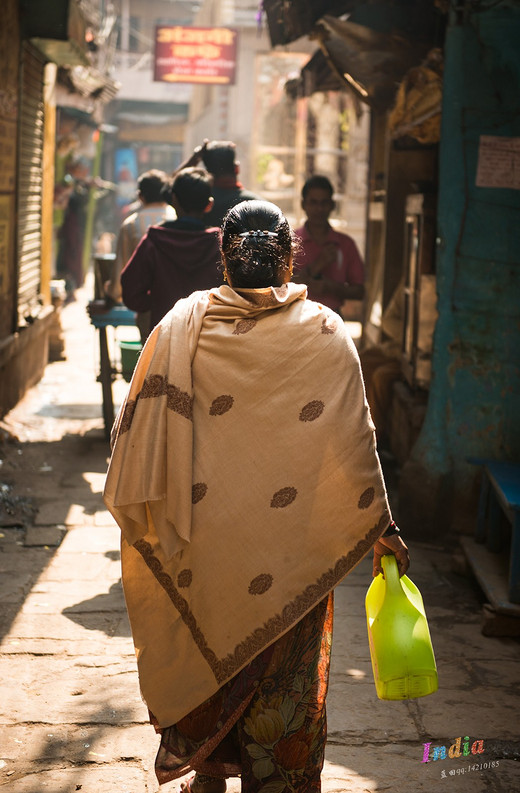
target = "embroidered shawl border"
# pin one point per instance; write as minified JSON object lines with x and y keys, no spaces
{"x":157,"y":385}
{"x":225,"y":668}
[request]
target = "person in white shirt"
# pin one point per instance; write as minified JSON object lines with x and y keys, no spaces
{"x":153,"y":211}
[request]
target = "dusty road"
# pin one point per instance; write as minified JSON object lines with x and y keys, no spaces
{"x":71,"y":718}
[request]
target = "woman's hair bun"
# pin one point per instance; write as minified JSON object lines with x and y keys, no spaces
{"x":257,"y":243}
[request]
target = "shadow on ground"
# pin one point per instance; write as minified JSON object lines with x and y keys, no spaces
{"x":45,"y":489}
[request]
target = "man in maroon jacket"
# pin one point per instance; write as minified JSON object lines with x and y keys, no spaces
{"x":178,"y":257}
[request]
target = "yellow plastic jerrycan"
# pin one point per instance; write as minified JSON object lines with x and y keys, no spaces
{"x":401,"y":650}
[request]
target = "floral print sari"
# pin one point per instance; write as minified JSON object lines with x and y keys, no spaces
{"x":267,"y":724}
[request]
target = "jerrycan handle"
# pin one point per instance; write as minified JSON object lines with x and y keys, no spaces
{"x":391,"y":571}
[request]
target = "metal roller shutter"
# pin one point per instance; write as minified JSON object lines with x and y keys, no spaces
{"x":30,"y":184}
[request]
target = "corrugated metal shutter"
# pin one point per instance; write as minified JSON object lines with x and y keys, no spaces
{"x":30,"y":183}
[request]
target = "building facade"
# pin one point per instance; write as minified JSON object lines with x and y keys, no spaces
{"x":147,"y":118}
{"x":443,"y":219}
{"x":37,"y":40}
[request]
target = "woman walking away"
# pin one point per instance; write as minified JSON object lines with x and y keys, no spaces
{"x":246,"y":483}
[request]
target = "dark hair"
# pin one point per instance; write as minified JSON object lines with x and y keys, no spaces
{"x":319,"y":182}
{"x":219,"y":157}
{"x":257,"y":242}
{"x":151,"y":184}
{"x":192,"y":189}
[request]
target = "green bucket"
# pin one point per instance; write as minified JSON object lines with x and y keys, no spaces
{"x":130,"y":351}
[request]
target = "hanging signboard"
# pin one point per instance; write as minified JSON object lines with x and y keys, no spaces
{"x":195,"y":55}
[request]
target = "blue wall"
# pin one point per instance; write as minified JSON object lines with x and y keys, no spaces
{"x":474,"y":402}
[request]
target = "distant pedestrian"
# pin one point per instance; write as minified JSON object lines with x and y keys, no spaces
{"x":219,"y":158}
{"x":71,"y":234}
{"x":180,"y":256}
{"x":152,"y":210}
{"x":328,"y":261}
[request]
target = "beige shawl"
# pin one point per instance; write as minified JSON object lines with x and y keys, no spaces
{"x":245,"y":480}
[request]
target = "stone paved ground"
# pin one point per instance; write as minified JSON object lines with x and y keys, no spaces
{"x":71,"y":718}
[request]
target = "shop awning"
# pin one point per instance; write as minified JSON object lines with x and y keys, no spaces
{"x":57,"y":29}
{"x":316,"y":75}
{"x":370,"y":63}
{"x":77,"y":38}
{"x":369,"y":53}
{"x":289,"y":20}
{"x":88,"y":82}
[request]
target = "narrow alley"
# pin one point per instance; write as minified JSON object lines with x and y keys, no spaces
{"x":71,"y":717}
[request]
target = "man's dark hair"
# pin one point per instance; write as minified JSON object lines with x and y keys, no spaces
{"x":219,"y":157}
{"x":319,"y":182}
{"x":192,"y":189}
{"x":150,"y":185}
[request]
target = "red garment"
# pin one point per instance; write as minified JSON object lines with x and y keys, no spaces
{"x":348,"y":266}
{"x":168,"y":264}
